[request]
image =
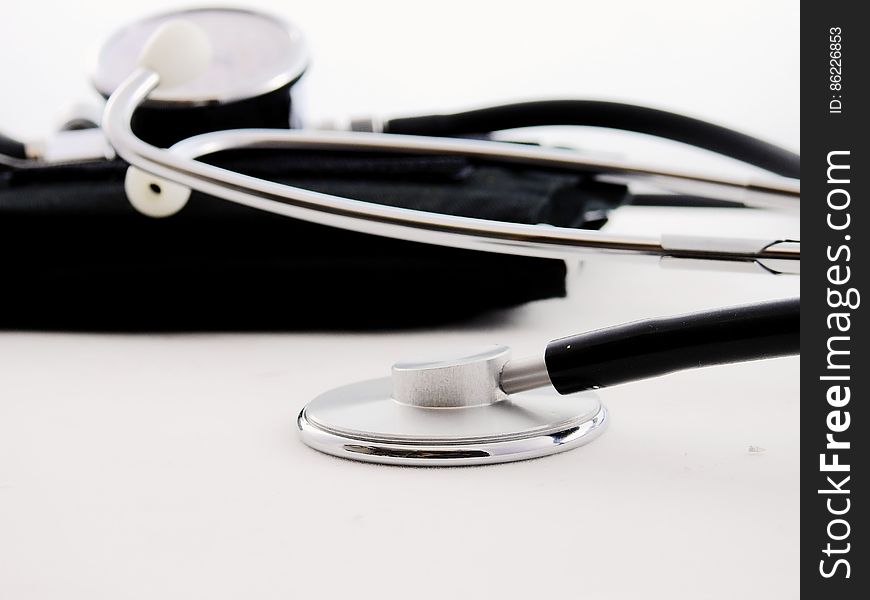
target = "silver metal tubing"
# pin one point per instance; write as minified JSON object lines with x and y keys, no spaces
{"x":523,"y":374}
{"x":772,"y":192}
{"x":176,"y":165}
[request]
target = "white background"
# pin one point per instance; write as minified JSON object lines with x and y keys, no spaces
{"x":168,"y":466}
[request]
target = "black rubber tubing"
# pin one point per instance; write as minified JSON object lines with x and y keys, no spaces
{"x":658,"y":346}
{"x":612,"y":115}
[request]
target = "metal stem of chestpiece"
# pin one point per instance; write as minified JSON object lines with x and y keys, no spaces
{"x":523,"y":374}
{"x":478,"y":379}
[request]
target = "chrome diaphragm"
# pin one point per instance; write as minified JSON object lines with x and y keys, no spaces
{"x":448,"y":413}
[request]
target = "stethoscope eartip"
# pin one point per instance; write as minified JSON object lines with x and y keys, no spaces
{"x":154,"y":196}
{"x":178,"y":51}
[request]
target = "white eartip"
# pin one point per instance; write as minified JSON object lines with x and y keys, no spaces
{"x":177,"y":51}
{"x":154,"y":196}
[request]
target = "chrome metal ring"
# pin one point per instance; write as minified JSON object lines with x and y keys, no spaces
{"x":362,"y":422}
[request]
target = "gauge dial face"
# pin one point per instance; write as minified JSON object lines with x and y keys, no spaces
{"x":252,"y":54}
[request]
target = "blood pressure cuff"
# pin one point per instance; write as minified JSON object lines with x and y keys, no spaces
{"x":76,"y":255}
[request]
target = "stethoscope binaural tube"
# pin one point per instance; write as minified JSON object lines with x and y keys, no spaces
{"x":160,"y":181}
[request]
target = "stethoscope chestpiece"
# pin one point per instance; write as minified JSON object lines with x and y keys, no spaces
{"x":255,"y":60}
{"x":448,"y":413}
{"x":482,"y":409}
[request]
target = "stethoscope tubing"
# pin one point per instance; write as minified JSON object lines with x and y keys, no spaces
{"x":654,"y":347}
{"x":601,"y":113}
{"x":176,"y":165}
{"x":774,"y":193}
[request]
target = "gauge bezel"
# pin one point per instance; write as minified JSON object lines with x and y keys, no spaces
{"x":107,"y":76}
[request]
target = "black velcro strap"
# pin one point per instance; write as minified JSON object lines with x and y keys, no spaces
{"x":77,"y":256}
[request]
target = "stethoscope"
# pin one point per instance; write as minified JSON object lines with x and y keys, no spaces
{"x":480,"y":408}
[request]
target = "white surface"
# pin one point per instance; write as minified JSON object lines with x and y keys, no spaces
{"x":168,"y":466}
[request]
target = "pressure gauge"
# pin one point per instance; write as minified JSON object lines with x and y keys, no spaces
{"x":256,"y":58}
{"x":252,"y":54}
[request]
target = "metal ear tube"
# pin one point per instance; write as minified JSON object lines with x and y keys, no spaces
{"x":177,"y":164}
{"x":166,"y":56}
